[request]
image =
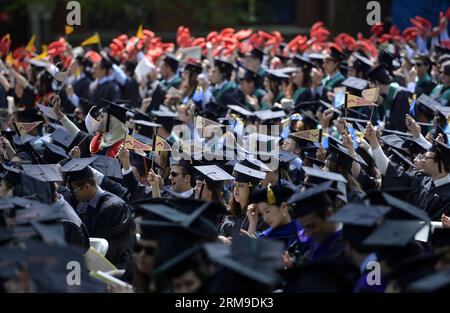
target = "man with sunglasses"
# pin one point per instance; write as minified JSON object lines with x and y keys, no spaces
{"x":104,"y":214}
{"x":423,"y":84}
{"x":180,"y":181}
{"x":430,"y":186}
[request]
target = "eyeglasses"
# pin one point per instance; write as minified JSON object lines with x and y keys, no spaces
{"x":174,"y":174}
{"x":148,"y":250}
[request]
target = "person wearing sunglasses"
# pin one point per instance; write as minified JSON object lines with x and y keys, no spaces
{"x":423,"y":84}
{"x":441,"y":92}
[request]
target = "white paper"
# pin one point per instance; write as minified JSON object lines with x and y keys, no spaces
{"x":143,"y":68}
{"x":48,"y":111}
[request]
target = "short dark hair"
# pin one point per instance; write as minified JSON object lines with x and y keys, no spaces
{"x":89,"y":181}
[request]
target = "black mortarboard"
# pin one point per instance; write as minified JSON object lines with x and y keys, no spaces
{"x":241,"y":111}
{"x":50,"y":233}
{"x":394,"y":233}
{"x":113,"y":109}
{"x":362,"y":64}
{"x":245,"y":174}
{"x":428,"y":105}
{"x":12,"y":175}
{"x":355,"y":85}
{"x":311,"y":200}
{"x":213,"y":174}
{"x":108,"y":166}
{"x":145,"y":127}
{"x":323,"y":176}
{"x":359,"y":214}
{"x":401,"y":159}
{"x":53,"y":153}
{"x":275,"y":194}
{"x":256,"y":259}
{"x":388,"y":60}
{"x":277,"y":75}
{"x":247,"y":74}
{"x":166,"y":118}
{"x":256,"y":53}
{"x":393,"y":141}
{"x":35,"y":189}
{"x":335,"y":54}
{"x":404,"y":210}
{"x":193,"y":67}
{"x":436,"y":282}
{"x":43,"y":172}
{"x":267,"y":115}
{"x":415,"y":146}
{"x":62,"y":137}
{"x":303,"y":61}
{"x":78,"y":169}
{"x":442,"y":152}
{"x":172,"y":61}
{"x":379,"y":74}
{"x":223,"y":65}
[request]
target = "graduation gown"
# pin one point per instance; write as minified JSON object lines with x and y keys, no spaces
{"x":424,"y":86}
{"x":302,"y":94}
{"x":425,"y":195}
{"x":329,"y":83}
{"x":288,"y":233}
{"x":396,"y":106}
{"x":75,"y":232}
{"x":81,"y":86}
{"x":224,"y":94}
{"x":330,"y":250}
{"x":110,"y":219}
{"x":441,"y":94}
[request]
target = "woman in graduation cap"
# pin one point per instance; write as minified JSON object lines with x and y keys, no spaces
{"x":299,"y":89}
{"x":107,"y":132}
{"x":270,"y":202}
{"x":247,"y":180}
{"x":191,"y":89}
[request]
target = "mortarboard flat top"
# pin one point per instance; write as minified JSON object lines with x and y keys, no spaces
{"x":76,"y":165}
{"x":314,"y":172}
{"x":146,"y":123}
{"x":393,"y":141}
{"x":303,"y":61}
{"x":359,"y":214}
{"x":442,"y":151}
{"x":108,"y":166}
{"x":223,"y":65}
{"x":311,"y":200}
{"x":428,"y":102}
{"x":214,"y":173}
{"x":164,"y":114}
{"x":247,"y":174}
{"x":355,"y":83}
{"x":63,"y":137}
{"x":43,"y":172}
{"x":56,"y":152}
{"x":438,"y":281}
{"x":410,"y":210}
{"x":256,"y":259}
{"x":394,"y":233}
{"x":277,"y":75}
{"x":240,"y":110}
{"x":265,"y":115}
{"x":118,"y":111}
{"x":402,"y":160}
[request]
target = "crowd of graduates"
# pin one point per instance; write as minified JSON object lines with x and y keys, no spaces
{"x":235,"y":162}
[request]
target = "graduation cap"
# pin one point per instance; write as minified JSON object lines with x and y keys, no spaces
{"x":355,"y":85}
{"x":393,"y":141}
{"x":268,"y":115}
{"x":166,"y":118}
{"x":43,"y":172}
{"x":389,"y":60}
{"x":107,"y":166}
{"x":401,"y":159}
{"x":247,"y":74}
{"x":53,"y":153}
{"x":223,"y":65}
{"x":164,"y":215}
{"x":78,"y":169}
{"x":193,"y":66}
{"x":245,"y":174}
{"x":255,"y":259}
{"x":362,"y":64}
{"x":145,"y":127}
{"x":428,"y":105}
{"x":143,"y":163}
{"x":113,"y":109}
{"x":33,"y":188}
{"x":12,"y":175}
{"x":213,"y":175}
{"x":275,"y":194}
{"x":404,"y":210}
{"x":395,"y":233}
{"x":415,"y":146}
{"x":256,"y":53}
{"x":241,"y":111}
{"x":277,"y":75}
{"x":172,"y":61}
{"x":303,"y":61}
{"x":442,"y":153}
{"x":311,"y":200}
{"x":379,"y":74}
{"x":436,"y":282}
{"x":62,"y":137}
{"x":323,"y":175}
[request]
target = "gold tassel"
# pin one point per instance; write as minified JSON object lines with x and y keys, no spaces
{"x":271,"y":199}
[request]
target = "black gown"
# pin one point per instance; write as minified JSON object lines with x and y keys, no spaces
{"x":424,"y":194}
{"x":112,"y":220}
